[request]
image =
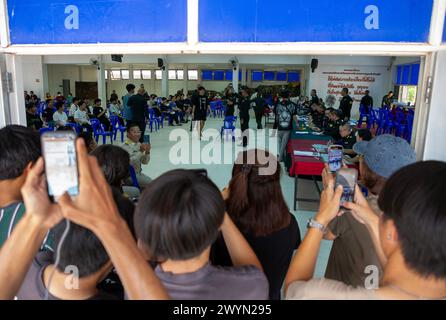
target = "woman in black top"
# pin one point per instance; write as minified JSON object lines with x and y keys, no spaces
{"x":255,"y":202}
{"x":231,"y":100}
{"x":100,"y":114}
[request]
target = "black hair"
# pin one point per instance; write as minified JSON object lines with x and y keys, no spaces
{"x":114,"y":162}
{"x":19,"y":146}
{"x":59,"y":104}
{"x":201,"y":88}
{"x":65,"y":128}
{"x":179,"y":215}
{"x":76,"y":99}
{"x":113,"y":99}
{"x":413,"y":198}
{"x":30,"y":105}
{"x":97,"y":100}
{"x":130,"y":87}
{"x":345,"y":90}
{"x":365,"y":134}
{"x":131,"y":125}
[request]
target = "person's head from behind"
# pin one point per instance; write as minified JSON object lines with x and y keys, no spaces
{"x":84,"y":251}
{"x":19,"y":150}
{"x":133,"y":132}
{"x":59,"y":94}
{"x":130,"y":88}
{"x":97,"y":102}
{"x":344,"y":92}
{"x":31,"y":108}
{"x":345,"y":130}
{"x":60,"y":107}
{"x":113,"y":100}
{"x":285,"y":94}
{"x":178,"y":216}
{"x":114,"y":162}
{"x":363,"y":135}
{"x":380,"y":158}
{"x":90,"y":142}
{"x":414,"y":219}
{"x":256,"y":203}
{"x":114,"y":91}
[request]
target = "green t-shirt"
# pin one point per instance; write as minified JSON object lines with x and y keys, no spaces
{"x":10,"y":216}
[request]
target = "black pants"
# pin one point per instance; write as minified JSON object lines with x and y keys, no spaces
{"x":259,"y":116}
{"x":244,"y":125}
{"x":105,"y":122}
{"x":142,"y":126}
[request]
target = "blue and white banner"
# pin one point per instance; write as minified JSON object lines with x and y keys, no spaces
{"x":97,"y":21}
{"x":315,"y":20}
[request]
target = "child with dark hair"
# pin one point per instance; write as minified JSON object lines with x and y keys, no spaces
{"x":256,"y":204}
{"x":177,"y":219}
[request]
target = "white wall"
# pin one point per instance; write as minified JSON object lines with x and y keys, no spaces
{"x":59,"y":72}
{"x":33,"y":74}
{"x":359,"y":73}
{"x":435,"y":146}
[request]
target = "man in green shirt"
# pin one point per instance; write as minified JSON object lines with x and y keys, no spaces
{"x":20,"y":149}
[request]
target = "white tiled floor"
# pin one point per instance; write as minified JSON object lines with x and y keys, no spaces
{"x":221,"y":173}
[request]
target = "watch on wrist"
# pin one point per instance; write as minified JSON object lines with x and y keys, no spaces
{"x":312,"y":223}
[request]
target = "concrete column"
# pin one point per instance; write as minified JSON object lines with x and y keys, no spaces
{"x":235,"y":77}
{"x":101,"y":83}
{"x":17,"y":111}
{"x":45,"y":82}
{"x":165,"y":81}
{"x":249,"y":78}
{"x":5,"y":114}
{"x":185,"y":80}
{"x":244,"y":80}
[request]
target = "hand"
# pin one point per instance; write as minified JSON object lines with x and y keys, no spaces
{"x":330,"y":201}
{"x":147,"y":147}
{"x":35,"y":197}
{"x":97,"y":215}
{"x":326,"y":176}
{"x":360,"y":210}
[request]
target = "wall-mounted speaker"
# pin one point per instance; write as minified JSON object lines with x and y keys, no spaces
{"x":314,"y":64}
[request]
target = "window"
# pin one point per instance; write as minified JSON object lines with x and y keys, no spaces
{"x":281,"y":76}
{"x":293,"y":76}
{"x":257,"y":75}
{"x":125,"y":74}
{"x":408,"y":94}
{"x":146,"y":74}
{"x":219,"y":75}
{"x":406,"y":73}
{"x":158,"y":74}
{"x":137,"y":74}
{"x":115,"y":74}
{"x":192,"y":74}
{"x":206,"y":75}
{"x":269,"y":75}
{"x":106,"y":74}
{"x":180,"y":74}
{"x":172,"y":74}
{"x":414,"y":74}
{"x":228,"y":75}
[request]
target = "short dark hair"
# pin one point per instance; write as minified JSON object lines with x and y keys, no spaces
{"x":97,"y":100}
{"x":30,"y":105}
{"x":200,"y":88}
{"x":413,"y":198}
{"x":130,"y":87}
{"x":65,"y":128}
{"x":114,"y":162}
{"x":76,"y":99}
{"x":131,"y":125}
{"x":59,"y":104}
{"x":179,"y":215}
{"x":365,"y":134}
{"x":19,"y":146}
{"x":345,"y":90}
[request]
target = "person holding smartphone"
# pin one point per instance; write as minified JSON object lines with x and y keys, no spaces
{"x":353,"y":248}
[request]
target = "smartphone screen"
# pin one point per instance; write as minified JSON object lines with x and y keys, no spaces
{"x":147,"y":138}
{"x":59,"y":152}
{"x":335,"y":154}
{"x":347,"y":178}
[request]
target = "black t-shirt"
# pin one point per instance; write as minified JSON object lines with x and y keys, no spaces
{"x":244,"y":106}
{"x":346,"y":106}
{"x":274,"y":252}
{"x":367,"y":102}
{"x":114,"y":96}
{"x":314,"y":99}
{"x":332,"y":129}
{"x":33,"y":120}
{"x":138,"y":105}
{"x":201,"y":105}
{"x":231,"y":100}
{"x":97,"y":111}
{"x":47,"y":114}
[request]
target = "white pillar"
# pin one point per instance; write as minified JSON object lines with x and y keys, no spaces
{"x":165,"y":81}
{"x":5,"y":115}
{"x":185,"y":80}
{"x":244,"y":80}
{"x":16,"y":97}
{"x":101,"y":83}
{"x":434,"y":148}
{"x":235,"y":77}
{"x":45,"y":82}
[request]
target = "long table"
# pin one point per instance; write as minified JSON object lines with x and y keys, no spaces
{"x":304,"y":165}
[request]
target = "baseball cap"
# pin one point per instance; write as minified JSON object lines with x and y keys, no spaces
{"x":386,"y":154}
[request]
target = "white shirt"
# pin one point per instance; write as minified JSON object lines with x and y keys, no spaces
{"x":73,"y":109}
{"x":81,"y":117}
{"x":60,"y":117}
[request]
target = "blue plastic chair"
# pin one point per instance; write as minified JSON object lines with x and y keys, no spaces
{"x":43,"y":130}
{"x":98,"y":130}
{"x":228,"y":124}
{"x":363,"y":116}
{"x":213,"y":105}
{"x":133,"y":177}
{"x":116,"y":126}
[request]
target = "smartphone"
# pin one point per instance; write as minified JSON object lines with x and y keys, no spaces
{"x":147,"y":138}
{"x":335,"y":153}
{"x":348,"y":179}
{"x":203,"y":172}
{"x":59,"y":153}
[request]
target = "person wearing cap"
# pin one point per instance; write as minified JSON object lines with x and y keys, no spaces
{"x":200,"y":108}
{"x":353,"y":248}
{"x":285,"y":112}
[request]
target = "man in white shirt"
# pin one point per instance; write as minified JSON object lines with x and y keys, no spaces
{"x":60,"y":117}
{"x":74,"y":107}
{"x":81,"y":116}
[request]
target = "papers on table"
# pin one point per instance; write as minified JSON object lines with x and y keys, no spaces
{"x":306,"y":153}
{"x":322,"y":148}
{"x":302,"y":132}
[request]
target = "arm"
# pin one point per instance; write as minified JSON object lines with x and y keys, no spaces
{"x":102,"y":217}
{"x":304,"y":261}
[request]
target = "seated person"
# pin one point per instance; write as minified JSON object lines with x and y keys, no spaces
{"x":361,"y":135}
{"x":81,"y":116}
{"x":256,"y":204}
{"x":60,"y":118}
{"x":20,"y":149}
{"x":32,"y":119}
{"x":139,"y":154}
{"x":116,"y":110}
{"x":174,"y":112}
{"x":185,"y":210}
{"x":48,"y":112}
{"x":332,"y":127}
{"x":318,"y":116}
{"x":101,"y":114}
{"x":348,"y":139}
